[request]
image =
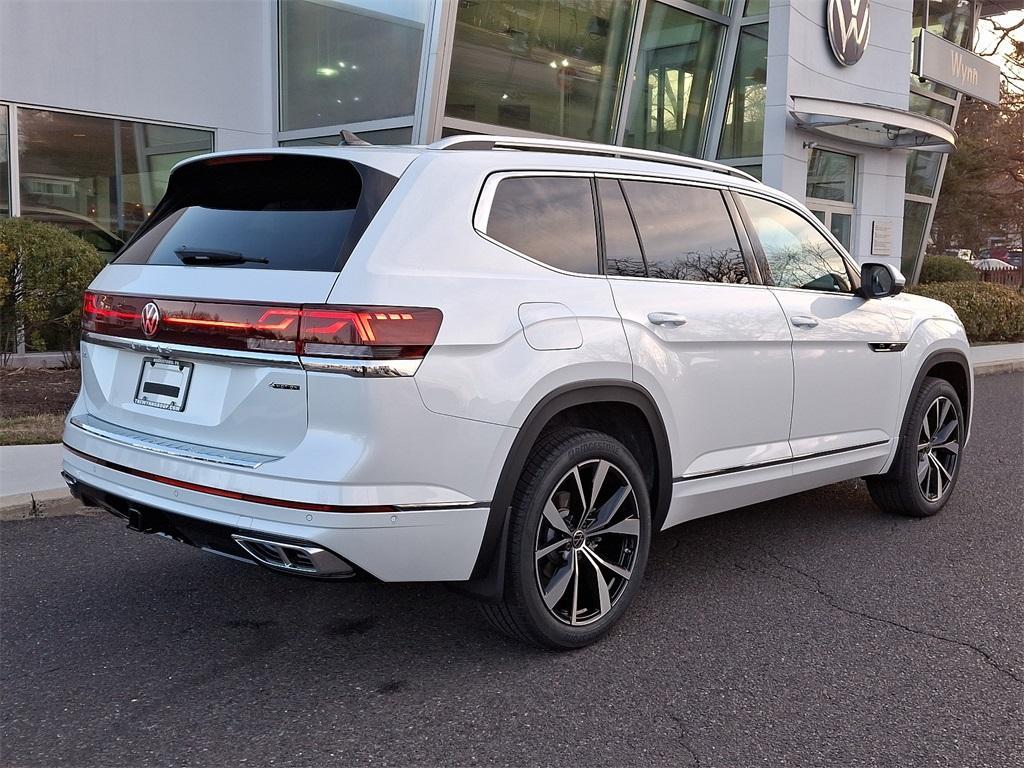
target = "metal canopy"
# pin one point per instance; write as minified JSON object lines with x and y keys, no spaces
{"x":872,"y":125}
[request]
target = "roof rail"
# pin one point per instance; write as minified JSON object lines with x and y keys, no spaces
{"x":530,"y":144}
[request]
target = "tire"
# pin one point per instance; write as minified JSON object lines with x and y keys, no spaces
{"x":556,"y":600}
{"x":921,"y":479}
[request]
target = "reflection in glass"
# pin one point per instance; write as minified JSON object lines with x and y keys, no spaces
{"x":830,"y":176}
{"x":349,"y":62}
{"x":686,"y":233}
{"x":97,"y":177}
{"x":797,"y":254}
{"x":922,"y":172}
{"x":621,"y":248}
{"x":548,"y":219}
{"x":915,"y":219}
{"x":930,"y":107}
{"x":5,"y":167}
{"x":756,"y":8}
{"x":550,"y":66}
{"x":949,"y":19}
{"x":383,"y":136}
{"x":743,"y":132}
{"x":841,"y":227}
{"x":674,"y":72}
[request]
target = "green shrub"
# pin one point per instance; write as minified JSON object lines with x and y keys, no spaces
{"x":989,"y":312}
{"x":43,"y":271}
{"x":946,"y":269}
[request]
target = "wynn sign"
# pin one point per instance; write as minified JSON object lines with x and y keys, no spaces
{"x":948,"y":64}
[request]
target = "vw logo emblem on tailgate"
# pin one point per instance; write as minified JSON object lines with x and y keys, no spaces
{"x":150,"y":319}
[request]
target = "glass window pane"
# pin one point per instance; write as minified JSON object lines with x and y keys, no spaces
{"x":98,"y":177}
{"x":756,"y":8}
{"x":292,"y":212}
{"x":922,"y":172}
{"x":718,"y":6}
{"x":5,"y":168}
{"x":672,"y":90}
{"x":930,"y":107}
{"x":687,"y":233}
{"x":548,"y":219}
{"x":841,"y":227}
{"x":349,"y":62}
{"x":743,"y":131}
{"x":915,"y":219}
{"x":830,"y":176}
{"x":539,"y":65}
{"x":383,"y":136}
{"x":797,"y":254}
{"x":621,"y":247}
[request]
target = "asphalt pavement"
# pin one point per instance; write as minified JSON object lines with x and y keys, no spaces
{"x":810,"y":631}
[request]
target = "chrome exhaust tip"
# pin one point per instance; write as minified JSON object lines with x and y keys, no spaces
{"x":304,"y":559}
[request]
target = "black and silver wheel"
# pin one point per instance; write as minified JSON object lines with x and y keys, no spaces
{"x":578,"y":541}
{"x":927,"y":463}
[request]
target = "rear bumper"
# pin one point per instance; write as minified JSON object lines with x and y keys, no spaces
{"x":427,"y":544}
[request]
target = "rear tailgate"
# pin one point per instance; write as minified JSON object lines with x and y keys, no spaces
{"x":189,"y":336}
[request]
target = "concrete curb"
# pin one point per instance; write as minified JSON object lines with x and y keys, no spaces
{"x":57,"y":502}
{"x":1006,"y":366}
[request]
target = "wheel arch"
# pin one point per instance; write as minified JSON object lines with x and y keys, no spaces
{"x":582,"y":404}
{"x":949,"y":365}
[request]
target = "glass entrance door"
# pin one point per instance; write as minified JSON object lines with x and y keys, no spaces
{"x":838,"y":221}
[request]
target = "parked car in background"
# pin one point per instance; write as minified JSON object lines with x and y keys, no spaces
{"x":498,"y":362}
{"x":961,"y":253}
{"x":104,"y":241}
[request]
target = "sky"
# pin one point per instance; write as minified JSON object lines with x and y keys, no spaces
{"x":987,"y":36}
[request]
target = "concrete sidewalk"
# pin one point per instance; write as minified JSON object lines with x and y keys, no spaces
{"x":30,"y":474}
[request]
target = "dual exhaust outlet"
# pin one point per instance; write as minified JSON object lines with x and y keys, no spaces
{"x":302,"y":559}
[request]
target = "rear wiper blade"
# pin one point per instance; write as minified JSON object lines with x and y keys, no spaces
{"x":193,"y":256}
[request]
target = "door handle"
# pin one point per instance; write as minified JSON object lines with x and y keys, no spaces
{"x":803,"y":321}
{"x":671,"y":319}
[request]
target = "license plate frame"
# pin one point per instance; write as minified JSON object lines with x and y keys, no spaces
{"x":164,"y":383}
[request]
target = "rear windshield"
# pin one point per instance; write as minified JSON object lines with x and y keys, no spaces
{"x":262,"y":212}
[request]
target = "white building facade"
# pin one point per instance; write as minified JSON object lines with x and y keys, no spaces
{"x":99,"y":98}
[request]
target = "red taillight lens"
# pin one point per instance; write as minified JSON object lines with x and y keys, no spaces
{"x":366,"y":333}
{"x":369,"y":333}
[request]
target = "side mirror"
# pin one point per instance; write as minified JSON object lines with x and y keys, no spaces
{"x":880,"y":280}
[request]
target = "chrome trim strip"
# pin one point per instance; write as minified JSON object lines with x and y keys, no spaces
{"x":383,"y":369}
{"x":346,"y":365}
{"x":131,"y":438}
{"x":163,"y":349}
{"x":442,"y":505}
{"x":777,"y":462}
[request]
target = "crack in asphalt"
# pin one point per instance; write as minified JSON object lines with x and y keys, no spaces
{"x":833,"y":601}
{"x":695,"y":758}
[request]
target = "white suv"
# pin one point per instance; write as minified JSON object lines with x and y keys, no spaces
{"x":495,"y":361}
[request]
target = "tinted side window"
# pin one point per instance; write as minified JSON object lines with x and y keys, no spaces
{"x":548,"y":218}
{"x":797,"y":254}
{"x":686,"y":232}
{"x":621,"y":248}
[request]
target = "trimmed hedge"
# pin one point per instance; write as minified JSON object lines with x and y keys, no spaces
{"x":989,"y":312}
{"x":43,"y":271}
{"x":947,"y":269}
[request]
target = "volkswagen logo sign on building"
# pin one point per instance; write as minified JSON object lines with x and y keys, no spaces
{"x":849,"y":26}
{"x":150,"y":319}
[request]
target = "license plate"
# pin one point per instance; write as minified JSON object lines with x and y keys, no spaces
{"x":163,"y":383}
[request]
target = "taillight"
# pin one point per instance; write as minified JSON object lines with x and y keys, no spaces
{"x":362,"y":333}
{"x":369,"y":333}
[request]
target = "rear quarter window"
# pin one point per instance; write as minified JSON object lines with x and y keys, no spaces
{"x":548,"y":218}
{"x":271,"y":211}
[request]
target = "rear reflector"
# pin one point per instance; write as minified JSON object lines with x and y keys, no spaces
{"x":364,"y":333}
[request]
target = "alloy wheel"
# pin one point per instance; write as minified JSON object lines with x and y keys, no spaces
{"x":587,"y":542}
{"x":938,"y":449}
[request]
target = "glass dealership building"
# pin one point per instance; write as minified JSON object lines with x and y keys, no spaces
{"x":98,"y":100}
